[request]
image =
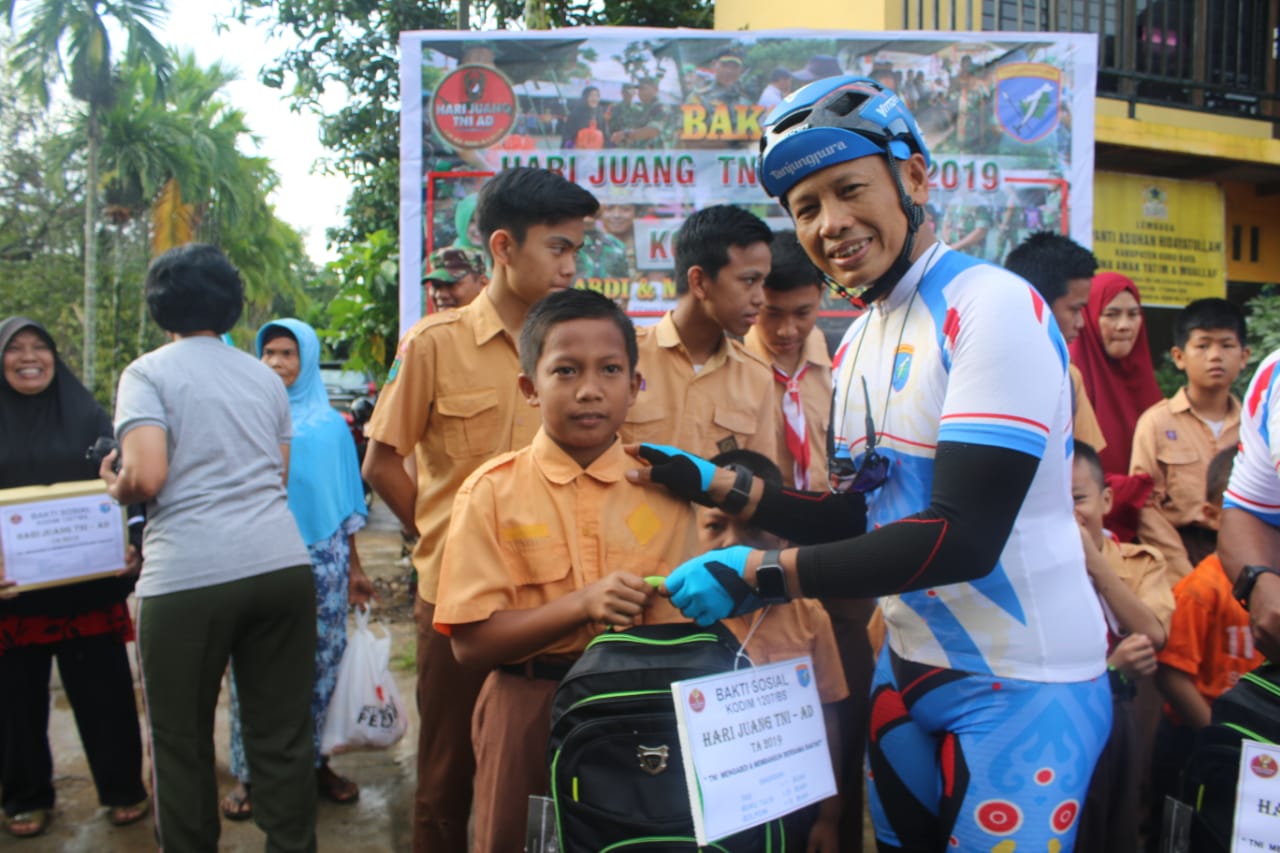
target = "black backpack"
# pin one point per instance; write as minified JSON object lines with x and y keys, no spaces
{"x":617,"y":775}
{"x":1248,"y":711}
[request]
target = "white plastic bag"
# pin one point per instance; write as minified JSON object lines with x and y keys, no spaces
{"x":366,"y":711}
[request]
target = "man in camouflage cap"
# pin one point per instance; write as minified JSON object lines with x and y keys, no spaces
{"x":454,"y":276}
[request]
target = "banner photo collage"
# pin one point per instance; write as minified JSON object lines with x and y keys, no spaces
{"x":660,"y":123}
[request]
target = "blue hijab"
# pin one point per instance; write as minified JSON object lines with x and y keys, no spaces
{"x":324,"y":476}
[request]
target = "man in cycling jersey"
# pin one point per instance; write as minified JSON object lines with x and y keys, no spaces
{"x":951,"y":498}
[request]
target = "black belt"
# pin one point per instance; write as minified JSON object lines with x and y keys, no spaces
{"x":540,"y":669}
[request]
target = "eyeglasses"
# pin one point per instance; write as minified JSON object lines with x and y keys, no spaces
{"x":872,"y":472}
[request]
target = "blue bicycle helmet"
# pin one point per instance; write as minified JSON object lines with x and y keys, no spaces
{"x":832,"y":121}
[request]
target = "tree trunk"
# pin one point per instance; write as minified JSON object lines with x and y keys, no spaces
{"x":91,"y":255}
{"x":464,"y":14}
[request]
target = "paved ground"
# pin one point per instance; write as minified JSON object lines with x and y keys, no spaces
{"x":378,"y":822}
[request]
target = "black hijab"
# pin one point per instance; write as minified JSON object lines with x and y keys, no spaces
{"x":43,"y":439}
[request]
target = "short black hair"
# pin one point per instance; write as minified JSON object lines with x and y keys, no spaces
{"x":1085,"y":453}
{"x":1208,"y":315}
{"x":562,"y":306}
{"x":705,"y":237}
{"x":271,"y":332}
{"x":757,"y":463}
{"x":792,"y":269}
{"x":194,"y":288}
{"x":1049,"y":260}
{"x":516,"y":199}
{"x":1219,"y":474}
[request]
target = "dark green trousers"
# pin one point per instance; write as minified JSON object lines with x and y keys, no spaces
{"x":267,"y":625}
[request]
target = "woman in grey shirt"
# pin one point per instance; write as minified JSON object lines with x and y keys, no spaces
{"x":204,"y":431}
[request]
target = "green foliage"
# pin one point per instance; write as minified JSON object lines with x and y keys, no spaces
{"x":352,"y":46}
{"x":363,"y":314}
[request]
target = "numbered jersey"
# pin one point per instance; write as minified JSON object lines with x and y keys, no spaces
{"x":963,"y":351}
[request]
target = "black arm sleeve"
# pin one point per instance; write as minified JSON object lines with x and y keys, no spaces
{"x":806,"y":518}
{"x":977,"y":492}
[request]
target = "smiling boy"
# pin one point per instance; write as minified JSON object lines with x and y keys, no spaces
{"x":549,"y":546}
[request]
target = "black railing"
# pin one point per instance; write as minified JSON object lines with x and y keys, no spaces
{"x":1212,"y":55}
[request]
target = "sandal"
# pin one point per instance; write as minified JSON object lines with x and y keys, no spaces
{"x":29,"y":824}
{"x":335,"y":788}
{"x":125,"y":815}
{"x":236,"y":804}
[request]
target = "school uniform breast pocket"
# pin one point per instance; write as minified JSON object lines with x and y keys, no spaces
{"x":1184,"y":476}
{"x":734,"y":421}
{"x":469,"y":422}
{"x":645,"y":422}
{"x":538,"y":562}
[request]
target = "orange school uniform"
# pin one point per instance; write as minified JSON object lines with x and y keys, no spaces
{"x":530,"y":527}
{"x":723,"y":405}
{"x":797,"y":628}
{"x":1209,"y":639}
{"x":815,"y":400}
{"x":452,"y":402}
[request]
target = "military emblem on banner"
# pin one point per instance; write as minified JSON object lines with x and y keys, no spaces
{"x":473,"y":107}
{"x":1028,"y":99}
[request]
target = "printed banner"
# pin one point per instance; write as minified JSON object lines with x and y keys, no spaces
{"x":1257,"y":818}
{"x":660,"y":123}
{"x":754,"y":746}
{"x":1166,"y":235}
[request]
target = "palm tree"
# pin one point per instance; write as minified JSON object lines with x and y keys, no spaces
{"x":67,"y":41}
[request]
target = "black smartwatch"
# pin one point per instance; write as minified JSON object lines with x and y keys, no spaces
{"x":1245,"y":581}
{"x":736,"y":500}
{"x":771,"y":581}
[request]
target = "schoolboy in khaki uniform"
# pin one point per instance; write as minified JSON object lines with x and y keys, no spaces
{"x":702,"y":391}
{"x":1138,"y":602}
{"x":786,"y":338}
{"x":1175,"y":439}
{"x":452,"y":401}
{"x":549,"y":546}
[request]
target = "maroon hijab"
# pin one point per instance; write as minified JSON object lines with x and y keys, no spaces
{"x":1120,"y":389}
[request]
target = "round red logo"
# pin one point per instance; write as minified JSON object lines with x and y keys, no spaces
{"x":1263,"y":766}
{"x":474,"y":107}
{"x":697,"y":701}
{"x":999,"y":817}
{"x":1044,"y":776}
{"x":1064,"y":815}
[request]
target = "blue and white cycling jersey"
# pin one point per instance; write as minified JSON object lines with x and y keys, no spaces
{"x":1255,"y":485}
{"x":963,"y":351}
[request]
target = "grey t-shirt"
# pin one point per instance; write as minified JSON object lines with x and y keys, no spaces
{"x":222,"y":513}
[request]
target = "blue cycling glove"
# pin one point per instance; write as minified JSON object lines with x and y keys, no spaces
{"x":686,"y":476}
{"x":710,"y":587}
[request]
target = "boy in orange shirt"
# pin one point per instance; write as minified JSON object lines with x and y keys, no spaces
{"x":1210,"y":646}
{"x":549,"y":546}
{"x":1130,"y":581}
{"x":781,"y":632}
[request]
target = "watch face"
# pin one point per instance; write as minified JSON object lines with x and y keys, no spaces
{"x":771,"y":584}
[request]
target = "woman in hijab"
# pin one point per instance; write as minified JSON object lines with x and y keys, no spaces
{"x":1114,"y":360}
{"x":327,"y":500}
{"x":47,"y":421}
{"x":586,"y":114}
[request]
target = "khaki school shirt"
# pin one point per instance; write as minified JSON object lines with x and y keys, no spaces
{"x":815,"y":399}
{"x":791,"y":630}
{"x":1142,"y":569}
{"x":533,"y":526}
{"x":1173,"y":446}
{"x":725,"y":405}
{"x":1085,"y":421}
{"x":452,"y":402}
